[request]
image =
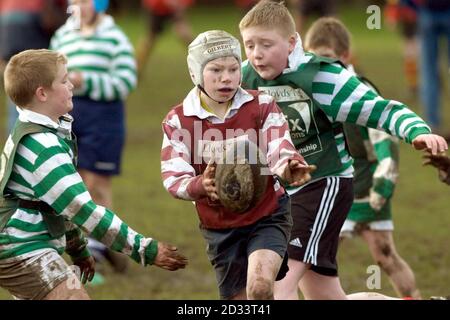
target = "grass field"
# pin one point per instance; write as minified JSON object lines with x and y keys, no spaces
{"x":421,"y":206}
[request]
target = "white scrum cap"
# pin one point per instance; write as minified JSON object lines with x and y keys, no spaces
{"x":208,"y":46}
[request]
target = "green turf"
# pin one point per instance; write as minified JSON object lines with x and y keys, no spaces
{"x":421,"y":211}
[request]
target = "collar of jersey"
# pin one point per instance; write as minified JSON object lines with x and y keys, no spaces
{"x":192,"y":105}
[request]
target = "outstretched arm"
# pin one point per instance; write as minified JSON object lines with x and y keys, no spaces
{"x":55,"y":181}
{"x":344,"y":98}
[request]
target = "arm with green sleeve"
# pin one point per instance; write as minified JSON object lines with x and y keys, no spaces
{"x":344,"y":98}
{"x":55,"y":181}
{"x":76,"y":242}
{"x":386,"y":172}
{"x":60,"y":186}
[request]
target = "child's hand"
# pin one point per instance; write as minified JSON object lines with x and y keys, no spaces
{"x":440,"y":161}
{"x":209,"y":181}
{"x":297,"y":173}
{"x":169,"y":258}
{"x":87,"y":268}
{"x":432,"y":142}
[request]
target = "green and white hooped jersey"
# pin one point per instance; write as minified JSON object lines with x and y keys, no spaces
{"x":43,"y":170}
{"x":340,"y":97}
{"x":312,"y":133}
{"x":105,"y":59}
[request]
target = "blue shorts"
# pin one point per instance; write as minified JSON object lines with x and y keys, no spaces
{"x":100,"y":131}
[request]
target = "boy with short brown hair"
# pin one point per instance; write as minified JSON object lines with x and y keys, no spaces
{"x":327,"y":34}
{"x":42,"y":197}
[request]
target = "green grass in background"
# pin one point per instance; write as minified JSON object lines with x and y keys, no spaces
{"x":421,"y":210}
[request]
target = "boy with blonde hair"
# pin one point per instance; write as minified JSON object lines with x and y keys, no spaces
{"x":375,"y":155}
{"x":317,"y":95}
{"x":43,"y":199}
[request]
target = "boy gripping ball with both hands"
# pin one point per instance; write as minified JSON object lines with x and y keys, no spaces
{"x":246,"y":248}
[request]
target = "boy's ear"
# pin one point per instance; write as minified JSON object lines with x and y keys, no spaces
{"x":292,"y":40}
{"x":346,"y":57}
{"x":41,"y":94}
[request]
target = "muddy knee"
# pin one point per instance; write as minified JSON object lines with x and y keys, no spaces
{"x":387,"y":259}
{"x":260,"y":289}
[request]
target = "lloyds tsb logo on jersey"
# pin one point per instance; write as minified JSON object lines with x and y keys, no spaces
{"x":285,"y":93}
{"x":297,"y":108}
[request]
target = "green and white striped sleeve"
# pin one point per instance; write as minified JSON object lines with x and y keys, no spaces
{"x":346,"y":99}
{"x":119,"y":79}
{"x":55,"y":180}
{"x":106,"y":61}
